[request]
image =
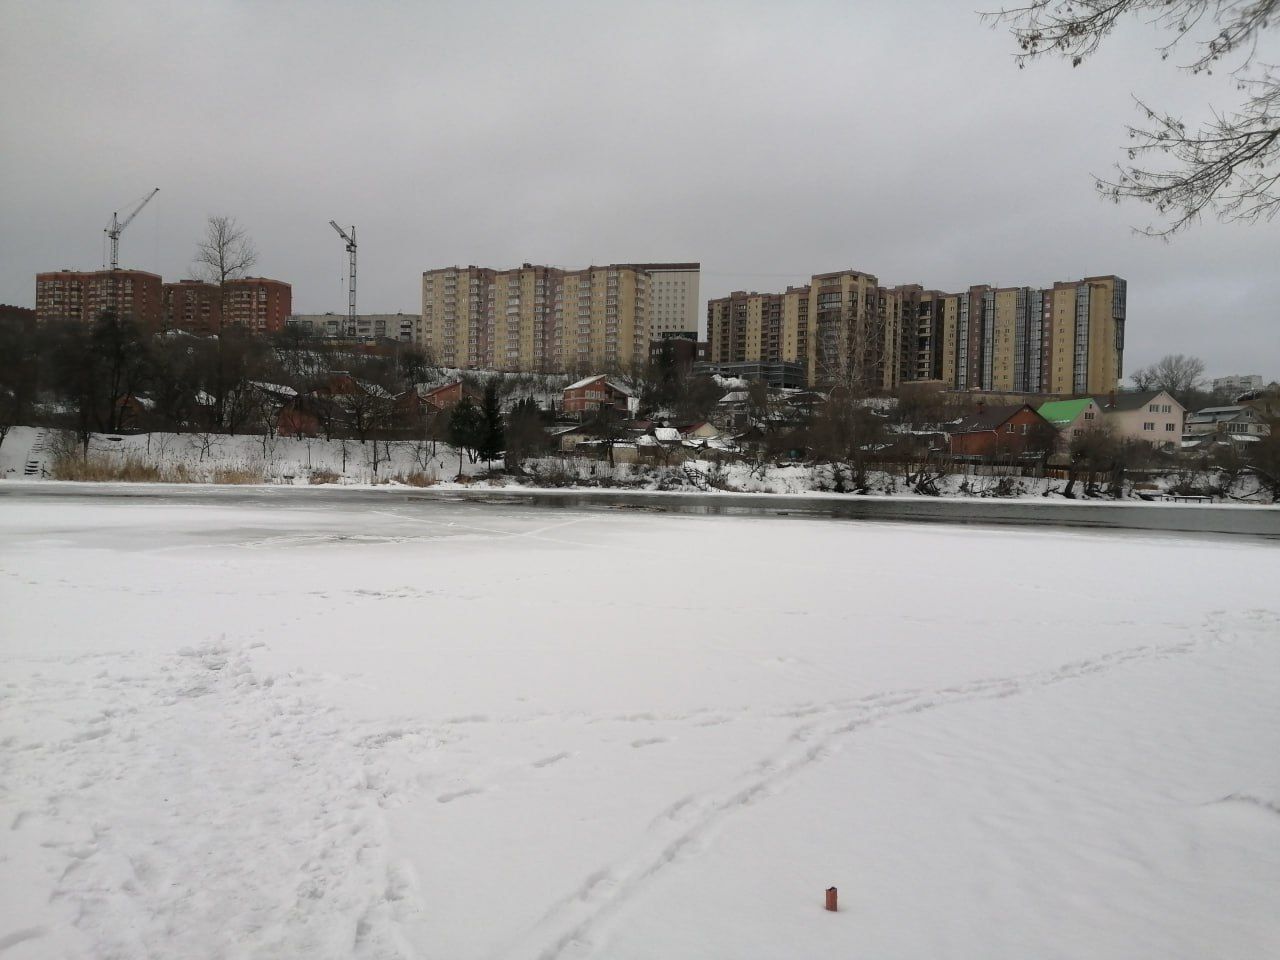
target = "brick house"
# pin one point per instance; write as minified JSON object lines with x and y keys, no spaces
{"x":1006,"y":430}
{"x":449,"y":396}
{"x":593,"y":393}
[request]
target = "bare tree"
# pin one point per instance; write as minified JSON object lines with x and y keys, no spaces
{"x":225,"y":253}
{"x":1143,"y":378}
{"x":1175,"y":373}
{"x":1229,"y":163}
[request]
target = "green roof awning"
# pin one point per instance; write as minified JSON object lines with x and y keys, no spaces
{"x":1059,"y":412}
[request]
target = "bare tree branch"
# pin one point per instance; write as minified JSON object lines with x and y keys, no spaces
{"x":1229,"y":164}
{"x":225,"y":253}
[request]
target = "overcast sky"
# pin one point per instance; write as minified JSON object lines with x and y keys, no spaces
{"x":767,"y":140}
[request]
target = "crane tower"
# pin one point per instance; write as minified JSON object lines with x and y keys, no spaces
{"x":351,"y":281}
{"x":115,"y":228}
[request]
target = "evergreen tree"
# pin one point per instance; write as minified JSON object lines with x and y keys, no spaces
{"x":466,"y":429}
{"x":526,"y":433}
{"x":492,"y":436}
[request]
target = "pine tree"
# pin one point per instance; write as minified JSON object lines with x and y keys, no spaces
{"x":492,"y":436}
{"x":466,"y":429}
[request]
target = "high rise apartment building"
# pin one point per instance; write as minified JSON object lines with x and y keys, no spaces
{"x":82,"y":296}
{"x":537,"y":318}
{"x":845,"y":327}
{"x":256,"y":304}
{"x":674,"y":305}
{"x":193,"y":306}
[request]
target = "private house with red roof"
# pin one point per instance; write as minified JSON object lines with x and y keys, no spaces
{"x":593,"y":393}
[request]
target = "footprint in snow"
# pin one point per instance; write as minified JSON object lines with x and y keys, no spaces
{"x":548,"y":761}
{"x":458,"y":794}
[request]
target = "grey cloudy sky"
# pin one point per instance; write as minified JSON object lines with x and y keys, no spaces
{"x":767,"y":140}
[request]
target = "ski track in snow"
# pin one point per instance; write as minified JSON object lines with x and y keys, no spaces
{"x":569,"y":928}
{"x":201,"y":796}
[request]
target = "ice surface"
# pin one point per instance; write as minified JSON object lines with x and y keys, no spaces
{"x":464,"y":731}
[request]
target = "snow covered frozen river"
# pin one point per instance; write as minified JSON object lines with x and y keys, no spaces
{"x":393,"y":730}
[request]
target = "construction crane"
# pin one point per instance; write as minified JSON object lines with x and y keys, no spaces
{"x":351,"y":281}
{"x":116,"y":228}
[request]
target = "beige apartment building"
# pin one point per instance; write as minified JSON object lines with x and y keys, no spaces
{"x":846,"y":328}
{"x":674,"y":303}
{"x":537,"y":318}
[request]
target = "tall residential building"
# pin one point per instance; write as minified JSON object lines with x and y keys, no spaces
{"x":257,"y":304}
{"x":82,"y":296}
{"x":832,"y":326}
{"x":674,"y":303}
{"x":193,"y":306}
{"x":536,"y":318}
{"x":1067,"y":339}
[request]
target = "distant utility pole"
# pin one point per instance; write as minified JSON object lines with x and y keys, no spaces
{"x":351,"y":282}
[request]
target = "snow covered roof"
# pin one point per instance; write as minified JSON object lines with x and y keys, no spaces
{"x":666,"y":434}
{"x":279,"y":388}
{"x":736,"y":396}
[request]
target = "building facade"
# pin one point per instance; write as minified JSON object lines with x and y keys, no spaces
{"x":847,"y":328}
{"x":536,"y":318}
{"x":1151,"y":416}
{"x":82,"y":296}
{"x":257,"y":304}
{"x":369,"y":326}
{"x":193,"y":306}
{"x":674,"y":305}
{"x":1238,"y":384}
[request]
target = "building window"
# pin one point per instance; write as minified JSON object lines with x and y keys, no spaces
{"x":1148,"y":426}
{"x":1170,"y":427}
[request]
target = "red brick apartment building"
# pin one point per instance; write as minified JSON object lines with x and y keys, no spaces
{"x":83,"y":295}
{"x":193,"y":306}
{"x":257,"y":304}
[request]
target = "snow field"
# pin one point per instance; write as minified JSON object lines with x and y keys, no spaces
{"x":451,"y":730}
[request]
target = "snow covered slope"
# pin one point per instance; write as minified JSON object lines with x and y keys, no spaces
{"x":459,"y":731}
